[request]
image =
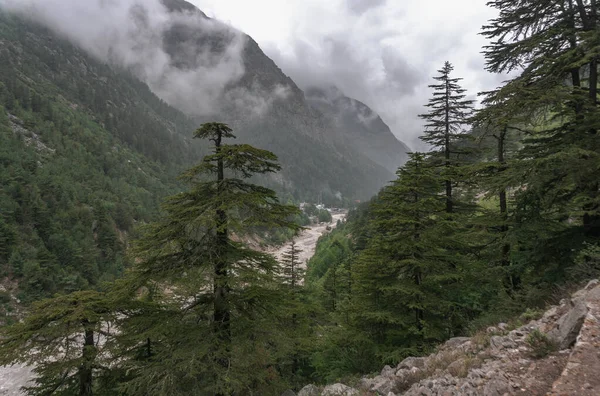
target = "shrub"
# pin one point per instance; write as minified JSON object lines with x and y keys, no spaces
{"x":541,"y":346}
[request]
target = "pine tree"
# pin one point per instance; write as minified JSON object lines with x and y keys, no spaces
{"x":554,"y":45}
{"x":449,"y":113}
{"x":65,"y":339}
{"x":406,"y":279}
{"x":216,"y":300}
{"x":292,"y":269}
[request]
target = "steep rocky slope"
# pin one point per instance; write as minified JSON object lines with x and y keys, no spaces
{"x":361,"y":126}
{"x":557,"y":354}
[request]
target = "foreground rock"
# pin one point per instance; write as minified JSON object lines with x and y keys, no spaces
{"x":558,"y":354}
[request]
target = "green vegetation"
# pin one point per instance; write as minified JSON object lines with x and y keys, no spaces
{"x":541,"y":346}
{"x":503,"y":210}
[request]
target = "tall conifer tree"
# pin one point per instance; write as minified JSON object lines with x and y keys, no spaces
{"x":449,"y":111}
{"x":212,"y":331}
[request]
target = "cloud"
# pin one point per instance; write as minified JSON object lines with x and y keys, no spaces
{"x":383,"y":53}
{"x":361,"y":6}
{"x":170,"y":51}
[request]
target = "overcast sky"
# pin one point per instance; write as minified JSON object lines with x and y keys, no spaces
{"x":382,"y":52}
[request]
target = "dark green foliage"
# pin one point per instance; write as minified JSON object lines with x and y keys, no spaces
{"x":77,"y":171}
{"x":66,"y":339}
{"x":448,"y":112}
{"x":540,"y":344}
{"x":208,"y":286}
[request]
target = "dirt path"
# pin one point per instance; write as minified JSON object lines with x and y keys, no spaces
{"x":307,"y":240}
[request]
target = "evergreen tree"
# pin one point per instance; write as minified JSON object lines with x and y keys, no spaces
{"x":292,"y":269}
{"x":216,"y":300}
{"x":65,"y":339}
{"x":406,"y":279}
{"x":449,"y":112}
{"x":553,"y":44}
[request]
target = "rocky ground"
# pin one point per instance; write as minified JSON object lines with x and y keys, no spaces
{"x":555,"y":355}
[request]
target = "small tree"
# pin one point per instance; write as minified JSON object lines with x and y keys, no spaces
{"x":449,"y":112}
{"x":65,"y":339}
{"x":292,"y":270}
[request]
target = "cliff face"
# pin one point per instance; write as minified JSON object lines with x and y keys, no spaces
{"x":556,"y":354}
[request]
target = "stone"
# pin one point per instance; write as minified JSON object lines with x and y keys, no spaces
{"x":455,"y":342}
{"x":569,"y":325}
{"x":383,"y":385}
{"x":411,"y":362}
{"x":309,"y":390}
{"x":366,"y":383}
{"x":288,"y":392}
{"x":387,"y":371}
{"x":496,"y":387}
{"x":339,"y":390}
{"x":498,"y":343}
{"x":592,"y":284}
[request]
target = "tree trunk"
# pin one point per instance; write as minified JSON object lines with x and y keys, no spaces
{"x":449,"y":208}
{"x":86,"y":378}
{"x":222,"y":314}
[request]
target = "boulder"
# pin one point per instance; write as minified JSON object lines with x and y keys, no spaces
{"x":387,"y":371}
{"x":383,"y":385}
{"x":497,"y":387}
{"x":410,"y":362}
{"x":499,"y":343}
{"x":569,"y":325}
{"x":309,"y":390}
{"x":455,"y":342}
{"x":339,"y":390}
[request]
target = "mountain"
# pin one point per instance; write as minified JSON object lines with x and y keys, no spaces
{"x":361,"y":126}
{"x":268,"y":109}
{"x":95,"y":129}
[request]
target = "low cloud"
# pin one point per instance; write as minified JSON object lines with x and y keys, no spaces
{"x":383,"y":53}
{"x":167,"y":50}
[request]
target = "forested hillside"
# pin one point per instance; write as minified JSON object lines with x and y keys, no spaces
{"x":87,"y":153}
{"x":499,"y":217}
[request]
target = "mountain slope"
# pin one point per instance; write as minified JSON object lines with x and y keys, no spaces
{"x":361,"y":126}
{"x":268,"y":109}
{"x":86,"y":152}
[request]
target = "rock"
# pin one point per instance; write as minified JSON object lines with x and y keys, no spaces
{"x":288,"y":392}
{"x":491,"y":330}
{"x":383,"y":385}
{"x":592,"y":284}
{"x":455,"y":342}
{"x":309,"y":390}
{"x":366,"y":383}
{"x":411,"y":362}
{"x":496,"y":387}
{"x":387,"y":371}
{"x":339,"y":390}
{"x":499,"y":343}
{"x":569,"y":326}
{"x":503,"y":326}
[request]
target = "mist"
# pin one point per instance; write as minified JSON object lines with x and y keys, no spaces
{"x":131,"y":34}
